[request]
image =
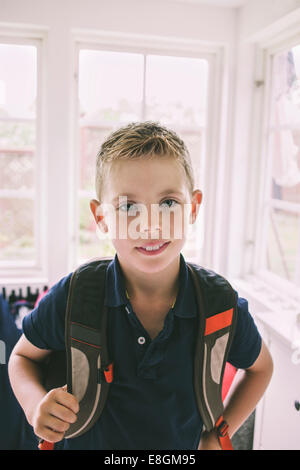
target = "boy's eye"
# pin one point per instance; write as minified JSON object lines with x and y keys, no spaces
{"x":134,"y":208}
{"x":169,"y":203}
{"x":129,"y":207}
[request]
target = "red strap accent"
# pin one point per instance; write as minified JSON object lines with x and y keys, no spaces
{"x":45,"y":445}
{"x":219,"y":321}
{"x":84,"y":342}
{"x":222,"y":433}
{"x":225,"y":442}
{"x":108,"y":372}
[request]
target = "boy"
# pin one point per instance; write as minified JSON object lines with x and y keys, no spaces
{"x":152,"y":311}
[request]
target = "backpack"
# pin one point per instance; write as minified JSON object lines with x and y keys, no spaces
{"x":88,"y":371}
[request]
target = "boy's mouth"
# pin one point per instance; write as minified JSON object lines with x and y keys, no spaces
{"x":153,"y":248}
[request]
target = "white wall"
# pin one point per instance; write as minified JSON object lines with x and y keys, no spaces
{"x":132,"y":16}
{"x":256,"y":15}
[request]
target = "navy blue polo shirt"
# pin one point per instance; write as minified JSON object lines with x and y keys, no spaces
{"x":151,"y":402}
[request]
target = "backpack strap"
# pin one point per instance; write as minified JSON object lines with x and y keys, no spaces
{"x":89,"y":370}
{"x":85,"y":364}
{"x":217,"y":307}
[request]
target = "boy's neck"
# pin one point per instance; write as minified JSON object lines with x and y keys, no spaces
{"x":160,"y":286}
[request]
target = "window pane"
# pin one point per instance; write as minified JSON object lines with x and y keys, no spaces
{"x":176,"y":89}
{"x":283,"y":245}
{"x":110,"y":86}
{"x":284,"y":142}
{"x":16,"y":235}
{"x":91,"y":138}
{"x":18,"y":81}
{"x":18,"y":92}
{"x":16,"y":170}
{"x":17,"y":134}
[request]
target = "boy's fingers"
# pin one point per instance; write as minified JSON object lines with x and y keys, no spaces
{"x":66,"y":399}
{"x":53,"y":430}
{"x":51,"y":436}
{"x":63,"y":413}
{"x":57,"y":425}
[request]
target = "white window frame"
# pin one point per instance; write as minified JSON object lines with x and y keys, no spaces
{"x":269,"y":289}
{"x":212,"y":175}
{"x":17,"y":272}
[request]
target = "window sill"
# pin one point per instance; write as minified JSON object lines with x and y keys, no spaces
{"x":276,"y":310}
{"x":22,"y":273}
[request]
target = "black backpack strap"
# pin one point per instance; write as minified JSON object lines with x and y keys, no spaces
{"x":89,"y":370}
{"x":85,"y":364}
{"x":217,"y":310}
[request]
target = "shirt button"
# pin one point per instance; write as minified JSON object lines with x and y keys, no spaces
{"x":141,"y":340}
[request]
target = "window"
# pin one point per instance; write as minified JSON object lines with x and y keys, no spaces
{"x":115,"y":88}
{"x":18,"y":146}
{"x":281,"y":237}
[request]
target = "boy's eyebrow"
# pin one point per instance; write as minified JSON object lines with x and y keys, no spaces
{"x":163,"y":193}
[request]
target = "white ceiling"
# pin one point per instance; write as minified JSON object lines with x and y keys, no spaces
{"x":217,"y":3}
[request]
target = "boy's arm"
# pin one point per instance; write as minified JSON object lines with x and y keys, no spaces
{"x":50,"y":413}
{"x":25,"y":375}
{"x":243,"y":397}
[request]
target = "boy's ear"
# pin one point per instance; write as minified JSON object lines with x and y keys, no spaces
{"x":98,"y":214}
{"x":196,"y":201}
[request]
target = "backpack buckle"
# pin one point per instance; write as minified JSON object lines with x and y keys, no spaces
{"x":108,"y":373}
{"x":222,"y":428}
{"x":222,"y":433}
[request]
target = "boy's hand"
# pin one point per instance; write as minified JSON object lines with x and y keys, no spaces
{"x":209,"y":441}
{"x":54,"y":414}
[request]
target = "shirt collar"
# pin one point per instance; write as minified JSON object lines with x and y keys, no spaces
{"x":115,"y":296}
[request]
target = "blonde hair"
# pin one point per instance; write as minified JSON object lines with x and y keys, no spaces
{"x":137,"y":140}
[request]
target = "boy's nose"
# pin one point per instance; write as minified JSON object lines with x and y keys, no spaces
{"x":150,"y":223}
{"x":150,"y":234}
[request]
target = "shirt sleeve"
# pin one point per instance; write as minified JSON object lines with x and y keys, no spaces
{"x":44,"y":327}
{"x":246,"y":344}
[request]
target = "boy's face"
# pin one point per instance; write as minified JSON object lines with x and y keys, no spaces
{"x":147,"y":202}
